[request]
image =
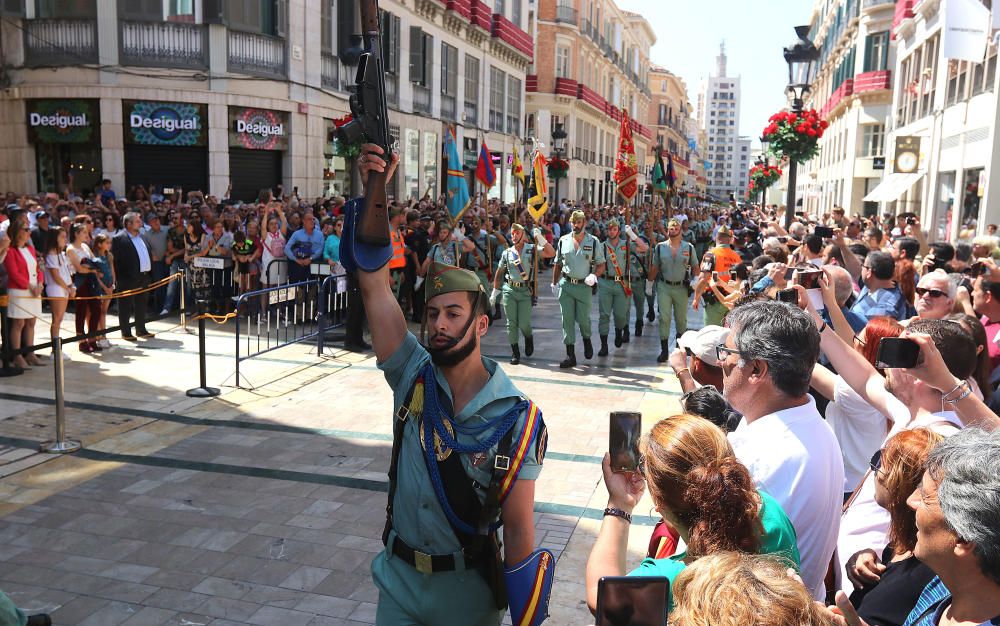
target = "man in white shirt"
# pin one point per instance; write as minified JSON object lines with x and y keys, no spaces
{"x":133,"y":267}
{"x":865,"y":525}
{"x":789,"y":449}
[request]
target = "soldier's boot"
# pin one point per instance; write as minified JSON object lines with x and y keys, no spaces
{"x":496,"y":311}
{"x":638,"y":327}
{"x":529,"y":345}
{"x":625,"y":335}
{"x":604,"y":346}
{"x":649,"y":314}
{"x":664,"y":351}
{"x":618,"y":338}
{"x":588,"y":348}
{"x":515,"y":358}
{"x":570,"y":360}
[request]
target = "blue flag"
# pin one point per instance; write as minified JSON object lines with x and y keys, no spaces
{"x":458,"y":189}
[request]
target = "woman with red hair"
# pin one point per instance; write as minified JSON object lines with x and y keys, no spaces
{"x":860,"y":427}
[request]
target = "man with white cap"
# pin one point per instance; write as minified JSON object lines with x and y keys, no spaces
{"x":703,"y":368}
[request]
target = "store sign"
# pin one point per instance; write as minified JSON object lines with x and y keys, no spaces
{"x":258,"y":129}
{"x":165,"y":123}
{"x":62,"y":121}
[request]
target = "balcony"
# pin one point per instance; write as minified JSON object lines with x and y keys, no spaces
{"x":60,"y":42}
{"x":421,"y":99}
{"x":566,"y":15}
{"x":482,"y":16}
{"x":256,"y":54}
{"x":163,"y":44}
{"x":566,"y":87}
{"x":879,"y":80}
{"x":330,"y":74}
{"x":531,"y":83}
{"x":471,"y":116}
{"x":449,"y":108}
{"x":585,"y":27}
{"x":903,"y":12}
{"x":512,"y":36}
{"x":591,"y":97}
{"x":461,"y":7}
{"x":846,"y":89}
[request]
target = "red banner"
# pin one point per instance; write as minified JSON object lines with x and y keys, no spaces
{"x":626,"y":167}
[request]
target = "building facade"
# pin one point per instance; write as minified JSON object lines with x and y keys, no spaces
{"x":591,"y":64}
{"x":853,"y":92}
{"x":670,"y":120}
{"x":208,"y":93}
{"x":719,"y":115}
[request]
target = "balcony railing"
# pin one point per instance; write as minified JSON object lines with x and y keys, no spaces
{"x":392,"y":89}
{"x":256,"y":54}
{"x":566,"y":15}
{"x":449,"y":107}
{"x":163,"y":44}
{"x":60,"y":42}
{"x":421,"y":99}
{"x":330,"y":75}
{"x":471,"y":114}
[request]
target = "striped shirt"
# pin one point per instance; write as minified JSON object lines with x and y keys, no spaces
{"x":931,"y":605}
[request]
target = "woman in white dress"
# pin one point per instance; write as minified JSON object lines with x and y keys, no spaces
{"x":58,"y":278}
{"x":25,"y":282}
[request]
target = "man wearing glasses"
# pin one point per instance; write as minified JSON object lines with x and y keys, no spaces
{"x":935,"y":296}
{"x":880,"y":295}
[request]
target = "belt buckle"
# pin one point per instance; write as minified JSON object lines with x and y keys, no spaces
{"x":502,"y":463}
{"x":422,"y":562}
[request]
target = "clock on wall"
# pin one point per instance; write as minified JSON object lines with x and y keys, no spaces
{"x":907,"y":155}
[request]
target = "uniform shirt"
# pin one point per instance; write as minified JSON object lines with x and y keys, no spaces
{"x":444,"y":253}
{"x":486,"y":247}
{"x":622,"y":251}
{"x":576,"y":262}
{"x":417,"y":515}
{"x":674,"y":267}
{"x":508,"y":263}
{"x":793,"y":455}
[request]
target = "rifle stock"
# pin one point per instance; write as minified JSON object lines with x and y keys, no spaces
{"x":373,"y":227}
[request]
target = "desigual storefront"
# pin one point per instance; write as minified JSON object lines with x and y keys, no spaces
{"x":166,"y":145}
{"x":258,"y":139}
{"x":67,"y":139}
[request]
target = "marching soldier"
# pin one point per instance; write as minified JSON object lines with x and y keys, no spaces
{"x":467,"y":448}
{"x":579,"y":259}
{"x":614,"y":287}
{"x":446,"y":250}
{"x":518,"y":265}
{"x":670,"y":272}
{"x":484,"y":257}
{"x":639,"y":263}
{"x":719,"y":260}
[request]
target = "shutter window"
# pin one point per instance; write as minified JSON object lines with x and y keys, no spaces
{"x":428,"y":60}
{"x":416,"y":55}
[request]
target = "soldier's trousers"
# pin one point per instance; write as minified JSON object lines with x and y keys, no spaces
{"x":611,"y":298}
{"x":575,"y":303}
{"x":409,"y":598}
{"x":639,"y":298}
{"x":672,"y":300}
{"x":715,"y":313}
{"x":517,"y":308}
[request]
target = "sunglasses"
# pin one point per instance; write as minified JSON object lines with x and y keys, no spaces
{"x":722,"y":352}
{"x":934,"y":293}
{"x":876,"y":462}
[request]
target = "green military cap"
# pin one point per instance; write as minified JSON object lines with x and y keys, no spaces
{"x":517,"y":227}
{"x":577,"y":215}
{"x":448,"y":278}
{"x":724,"y":230}
{"x":614,"y":221}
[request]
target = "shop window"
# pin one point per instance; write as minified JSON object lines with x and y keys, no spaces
{"x":430,"y":168}
{"x":972,"y":195}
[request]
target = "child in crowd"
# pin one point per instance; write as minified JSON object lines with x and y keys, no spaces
{"x":104,"y":261}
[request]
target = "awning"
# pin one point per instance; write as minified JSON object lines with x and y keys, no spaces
{"x":891,"y":187}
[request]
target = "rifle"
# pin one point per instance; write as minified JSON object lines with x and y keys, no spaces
{"x":370,"y":124}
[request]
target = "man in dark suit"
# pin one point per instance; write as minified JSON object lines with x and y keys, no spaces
{"x":133,"y":268}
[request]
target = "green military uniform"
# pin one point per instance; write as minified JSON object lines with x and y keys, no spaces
{"x":612,"y":299}
{"x":518,"y":268}
{"x":415,"y":586}
{"x":672,"y":279}
{"x":483,"y":260}
{"x":444,"y":253}
{"x":574,"y":296}
{"x":639,"y":264}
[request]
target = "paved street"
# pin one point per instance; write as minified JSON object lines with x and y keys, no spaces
{"x":266,"y":506}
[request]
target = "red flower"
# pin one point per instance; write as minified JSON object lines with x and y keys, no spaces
{"x":819,"y":133}
{"x":825,"y":124}
{"x":792,"y":118}
{"x":811,"y":132}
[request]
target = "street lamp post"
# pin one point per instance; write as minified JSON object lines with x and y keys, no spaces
{"x":800,"y":57}
{"x":558,"y":143}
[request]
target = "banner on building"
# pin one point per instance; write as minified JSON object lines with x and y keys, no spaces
{"x":258,"y":129}
{"x":966,"y":30}
{"x":907,"y":157}
{"x":63,"y":121}
{"x":165,"y":123}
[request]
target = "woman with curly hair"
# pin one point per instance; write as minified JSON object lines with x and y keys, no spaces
{"x":700,"y":489}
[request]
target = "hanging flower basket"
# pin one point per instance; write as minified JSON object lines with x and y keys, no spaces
{"x":558,"y":168}
{"x":345,"y":151}
{"x":763,"y":176}
{"x":795,"y":135}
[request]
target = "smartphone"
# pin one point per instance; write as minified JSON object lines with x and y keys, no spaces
{"x":788,"y":295}
{"x":168,"y":191}
{"x":897,"y":352}
{"x":788,"y":273}
{"x":715,"y":276}
{"x":782,"y":239}
{"x":809,"y":278}
{"x":911,"y":221}
{"x":823,"y":231}
{"x":632,"y":600}
{"x":977,"y":269}
{"x":623,"y":444}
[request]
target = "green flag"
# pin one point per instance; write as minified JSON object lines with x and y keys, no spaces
{"x":659,"y":175}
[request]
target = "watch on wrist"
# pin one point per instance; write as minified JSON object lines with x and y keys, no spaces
{"x":616,"y":512}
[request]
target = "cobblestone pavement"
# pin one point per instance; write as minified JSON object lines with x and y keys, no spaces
{"x":266,"y":505}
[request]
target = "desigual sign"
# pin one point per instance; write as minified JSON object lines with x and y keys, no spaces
{"x":258,"y":129}
{"x":165,"y":123}
{"x":62,"y":121}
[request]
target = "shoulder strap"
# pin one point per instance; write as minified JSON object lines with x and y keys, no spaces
{"x":413,"y":405}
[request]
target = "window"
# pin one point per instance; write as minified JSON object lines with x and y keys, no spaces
{"x":66,"y":8}
{"x":513,"y":105}
{"x":958,"y":73}
{"x":983,"y":73}
{"x":498,"y":81}
{"x":326,"y":36}
{"x":421,"y":57}
{"x":180,"y":11}
{"x":515,"y":15}
{"x":499,"y":6}
{"x":877,"y":52}
{"x":872,"y":140}
{"x":562,"y":62}
{"x":267,"y":17}
{"x":449,"y":70}
{"x":391,"y":42}
{"x":472,"y":81}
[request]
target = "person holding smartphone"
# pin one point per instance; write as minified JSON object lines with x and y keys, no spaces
{"x":719,"y":260}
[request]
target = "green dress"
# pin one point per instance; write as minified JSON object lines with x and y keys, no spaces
{"x":779,"y":540}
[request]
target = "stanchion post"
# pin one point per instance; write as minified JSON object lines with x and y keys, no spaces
{"x":184,"y":321}
{"x":203,"y":390}
{"x":6,"y":367}
{"x":322,"y":306}
{"x":61,"y":445}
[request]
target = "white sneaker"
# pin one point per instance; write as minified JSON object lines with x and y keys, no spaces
{"x":164,"y":312}
{"x":104,"y":343}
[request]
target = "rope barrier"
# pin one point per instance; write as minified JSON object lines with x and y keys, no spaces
{"x":118,"y":294}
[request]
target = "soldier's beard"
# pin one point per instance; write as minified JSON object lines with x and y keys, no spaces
{"x":451,"y":354}
{"x":577,"y":230}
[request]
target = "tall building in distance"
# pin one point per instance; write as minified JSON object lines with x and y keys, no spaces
{"x":719,"y":115}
